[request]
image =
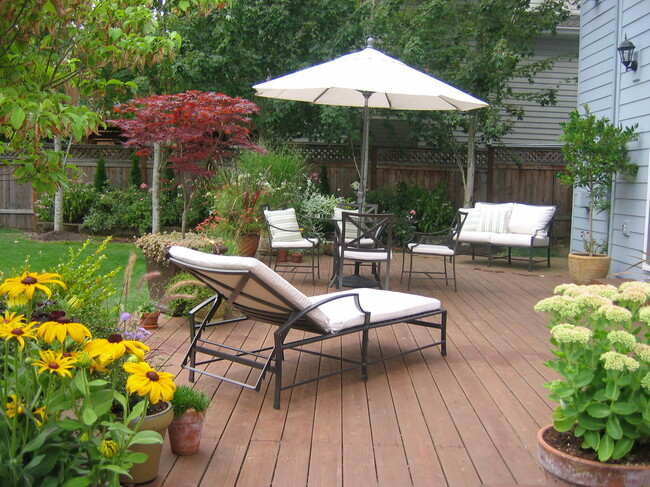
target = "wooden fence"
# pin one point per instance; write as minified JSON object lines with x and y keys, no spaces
{"x":525,"y":175}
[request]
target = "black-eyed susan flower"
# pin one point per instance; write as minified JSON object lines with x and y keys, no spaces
{"x":54,"y":362}
{"x":10,"y":319}
{"x":19,"y":331}
{"x":107,"y":350}
{"x":108,"y":448}
{"x":145,"y":380}
{"x":59,"y":330}
{"x":29,"y":282}
{"x":14,"y":406}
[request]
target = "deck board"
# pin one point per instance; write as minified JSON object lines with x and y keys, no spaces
{"x":466,"y":419}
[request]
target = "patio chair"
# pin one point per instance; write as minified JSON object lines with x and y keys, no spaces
{"x":284,"y":233}
{"x":443,"y":244}
{"x":365,"y":238}
{"x":260,"y":294}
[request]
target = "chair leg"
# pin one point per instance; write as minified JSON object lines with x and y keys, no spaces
{"x":364,"y":355}
{"x":489,"y":255}
{"x":408,"y":286}
{"x":548,"y":256}
{"x":444,"y":264}
{"x":530,"y":260}
{"x":453,"y":269}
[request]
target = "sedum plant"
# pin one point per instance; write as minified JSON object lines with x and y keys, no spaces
{"x":602,"y":355}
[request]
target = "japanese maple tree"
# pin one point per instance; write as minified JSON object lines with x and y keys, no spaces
{"x":188,"y":131}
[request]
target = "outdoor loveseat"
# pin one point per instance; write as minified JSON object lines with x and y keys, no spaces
{"x":511,"y":225}
{"x":262,"y":295}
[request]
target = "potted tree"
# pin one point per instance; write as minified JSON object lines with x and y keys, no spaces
{"x":189,"y":413}
{"x":601,"y":426}
{"x":596,"y":151}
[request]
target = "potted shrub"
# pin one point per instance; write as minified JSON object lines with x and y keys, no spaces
{"x":189,"y":413}
{"x":154,"y":247}
{"x":149,"y":314}
{"x":296,"y":256}
{"x":602,"y":357}
{"x":596,"y":151}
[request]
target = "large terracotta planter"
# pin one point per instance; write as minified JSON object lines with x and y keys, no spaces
{"x":147,"y":471}
{"x":562,"y":469}
{"x":585,"y":268}
{"x":185,"y":433}
{"x":248,"y":245}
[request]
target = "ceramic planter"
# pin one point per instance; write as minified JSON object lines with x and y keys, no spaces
{"x":562,"y":469}
{"x":248,"y":245}
{"x":585,"y":268}
{"x":147,"y":471}
{"x":185,"y":433}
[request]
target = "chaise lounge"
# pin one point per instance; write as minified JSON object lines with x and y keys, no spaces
{"x":262,"y":295}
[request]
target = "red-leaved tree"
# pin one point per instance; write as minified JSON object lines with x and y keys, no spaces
{"x":187,"y":131}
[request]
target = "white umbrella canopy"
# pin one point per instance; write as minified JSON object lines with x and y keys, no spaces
{"x":369,"y":79}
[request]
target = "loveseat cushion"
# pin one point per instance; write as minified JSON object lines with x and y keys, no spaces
{"x":494,"y":217}
{"x":528,"y":219}
{"x":517,"y":240}
{"x":472,"y":220}
{"x":474,"y":237}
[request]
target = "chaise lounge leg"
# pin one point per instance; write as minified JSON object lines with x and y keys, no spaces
{"x":278,"y":356}
{"x":443,"y":334}
{"x":364,"y":355}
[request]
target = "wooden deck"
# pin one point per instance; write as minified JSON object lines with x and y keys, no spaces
{"x":467,"y":419}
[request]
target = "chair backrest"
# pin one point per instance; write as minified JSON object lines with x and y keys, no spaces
{"x":366,"y":232}
{"x":282,"y":225}
{"x":249,"y":286}
{"x":352,"y":208}
{"x":448,"y":237}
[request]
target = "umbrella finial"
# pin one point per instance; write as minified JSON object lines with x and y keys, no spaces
{"x":371,"y":42}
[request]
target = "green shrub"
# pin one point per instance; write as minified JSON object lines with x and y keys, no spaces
{"x":100,"y":180}
{"x":78,"y":198}
{"x":128,"y":208}
{"x":135,"y":175}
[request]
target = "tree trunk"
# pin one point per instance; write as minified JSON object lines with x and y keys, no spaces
{"x":155,"y":189}
{"x":471,"y":160}
{"x":58,"y":196}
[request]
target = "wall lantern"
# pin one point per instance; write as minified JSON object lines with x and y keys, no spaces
{"x":626,"y":50}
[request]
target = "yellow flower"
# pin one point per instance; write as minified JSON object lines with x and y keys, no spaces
{"x":30,"y":282}
{"x":17,"y":302}
{"x":108,"y":448}
{"x":11,"y":319}
{"x":55,"y":362}
{"x":18,"y":330}
{"x":114,"y":347}
{"x":55,"y":330}
{"x":14,"y":407}
{"x":145,"y":380}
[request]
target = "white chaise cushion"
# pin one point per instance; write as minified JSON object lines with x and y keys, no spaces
{"x":283,"y":225}
{"x":528,"y":219}
{"x":494,"y":217}
{"x":518,"y":240}
{"x":383,"y":305}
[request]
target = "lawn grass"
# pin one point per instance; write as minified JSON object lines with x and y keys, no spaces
{"x":19,"y":252}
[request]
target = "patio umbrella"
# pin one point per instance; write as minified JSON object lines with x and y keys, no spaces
{"x":368,"y":79}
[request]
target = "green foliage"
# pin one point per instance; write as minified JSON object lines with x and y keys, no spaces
{"x":126,"y":208}
{"x":596,"y":151}
{"x":602,"y":354}
{"x":186,"y":398}
{"x":324,"y":180}
{"x":188,"y":293}
{"x":100,"y":180}
{"x":89,"y":291}
{"x":135,"y":174}
{"x":313,"y":206}
{"x":429,"y":211}
{"x":78,"y":198}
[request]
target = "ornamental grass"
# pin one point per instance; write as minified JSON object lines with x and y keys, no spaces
{"x":58,"y":426}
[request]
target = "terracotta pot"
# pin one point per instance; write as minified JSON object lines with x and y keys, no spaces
{"x":283,"y":255}
{"x":149,"y":321}
{"x":185,"y":433}
{"x":147,"y":471}
{"x":296,"y":258}
{"x":248,"y":245}
{"x":585,"y":268}
{"x":562,"y":469}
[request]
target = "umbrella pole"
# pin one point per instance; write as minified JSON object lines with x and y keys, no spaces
{"x":365,"y":144}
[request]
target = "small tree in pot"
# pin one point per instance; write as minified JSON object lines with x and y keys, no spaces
{"x":189,"y":413}
{"x":596,"y":151}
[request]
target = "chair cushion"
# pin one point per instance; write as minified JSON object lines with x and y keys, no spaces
{"x":473,"y":219}
{"x":303,"y":243}
{"x":430,"y":249}
{"x":350,"y":230}
{"x":284,"y":225}
{"x":383,"y":305}
{"x":529,"y":218}
{"x":494,"y":217}
{"x":518,"y":240}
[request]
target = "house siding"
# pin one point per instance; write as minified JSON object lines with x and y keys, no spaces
{"x":623,"y":97}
